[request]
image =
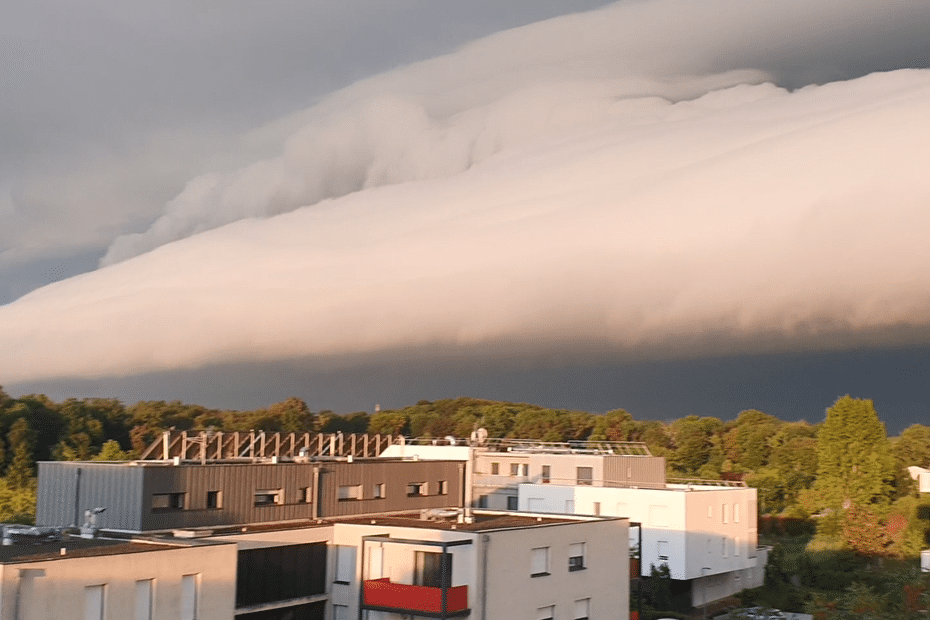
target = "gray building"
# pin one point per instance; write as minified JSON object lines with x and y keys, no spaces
{"x":142,"y":496}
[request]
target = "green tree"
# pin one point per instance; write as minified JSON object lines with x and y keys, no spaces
{"x":912,"y":447}
{"x":616,"y":425}
{"x":112,"y":451}
{"x":388,"y":423}
{"x":22,"y":467}
{"x":294,"y":416}
{"x":696,"y":445}
{"x":854,"y":464}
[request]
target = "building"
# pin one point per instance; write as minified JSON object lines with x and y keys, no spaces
{"x":922,"y":476}
{"x":145,"y":496}
{"x":704,"y":531}
{"x":45,"y":577}
{"x":440,"y":565}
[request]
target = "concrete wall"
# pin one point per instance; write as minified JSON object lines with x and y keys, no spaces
{"x":55,"y":589}
{"x":676,"y":527}
{"x":512,"y":593}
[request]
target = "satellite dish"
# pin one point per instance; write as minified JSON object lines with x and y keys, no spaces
{"x":479,"y":437}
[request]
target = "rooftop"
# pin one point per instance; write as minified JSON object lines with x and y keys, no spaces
{"x":50,"y":549}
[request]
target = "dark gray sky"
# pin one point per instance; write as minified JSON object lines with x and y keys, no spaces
{"x":669,"y":206}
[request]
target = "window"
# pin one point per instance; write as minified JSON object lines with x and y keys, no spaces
{"x":168,"y":501}
{"x":495,"y":469}
{"x":443,"y":488}
{"x":340,"y":612}
{"x":377,"y":491}
{"x":432,"y":569}
{"x":189,"y":596}
{"x":585,"y":475}
{"x":514,"y":469}
{"x":512,"y":502}
{"x":525,"y":470}
{"x":546,"y":613}
{"x":375,"y":562}
{"x":663,"y":550}
{"x":345,"y":564}
{"x":94,"y":599}
{"x":539,"y":562}
{"x":416,"y":488}
{"x":725,"y":513}
{"x":214,"y":499}
{"x":482,"y":501}
{"x":597,"y":509}
{"x":570,"y":506}
{"x":350,"y":492}
{"x":735,"y":513}
{"x":576,"y":557}
{"x":269,"y":497}
{"x":144,"y":589}
{"x":710,"y":512}
{"x":582,"y":609}
{"x":546,"y":474}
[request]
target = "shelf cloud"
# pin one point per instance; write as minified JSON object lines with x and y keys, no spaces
{"x":660,"y":178}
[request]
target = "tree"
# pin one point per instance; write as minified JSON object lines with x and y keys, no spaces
{"x":111,"y":451}
{"x":22,"y":467}
{"x":854,"y":464}
{"x":616,"y":425}
{"x":294,"y":416}
{"x":913,"y":446}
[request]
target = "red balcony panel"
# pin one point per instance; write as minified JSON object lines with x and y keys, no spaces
{"x":384,"y":593}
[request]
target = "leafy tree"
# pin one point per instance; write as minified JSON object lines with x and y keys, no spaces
{"x":695,"y":444}
{"x":616,"y":425}
{"x":912,"y":447}
{"x":388,"y":423}
{"x":746,"y":442}
{"x":854,"y":464}
{"x":352,"y":423}
{"x":18,"y":505}
{"x":111,"y":451}
{"x":22,"y":467}
{"x":294,"y":416}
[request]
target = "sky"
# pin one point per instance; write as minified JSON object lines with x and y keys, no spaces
{"x":670,"y":206}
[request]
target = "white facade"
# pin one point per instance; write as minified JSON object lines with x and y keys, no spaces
{"x":166,"y":583}
{"x":495,"y":566}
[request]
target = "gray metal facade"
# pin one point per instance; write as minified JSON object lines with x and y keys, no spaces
{"x":645,"y":472}
{"x":160,"y":496}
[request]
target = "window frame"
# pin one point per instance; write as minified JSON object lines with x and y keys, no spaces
{"x":576,"y":561}
{"x":545,"y":554}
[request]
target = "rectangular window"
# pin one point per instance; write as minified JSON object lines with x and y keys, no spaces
{"x":268,"y":497}
{"x":495,"y":469}
{"x":525,"y":470}
{"x":340,"y":612}
{"x":214,"y":499}
{"x":416,"y":488}
{"x":725,"y":513}
{"x":94,"y":600}
{"x":539,"y":562}
{"x":735,"y":513}
{"x":582,"y":609}
{"x":546,"y":474}
{"x":144,"y":591}
{"x":189,"y":601}
{"x":576,"y":557}
{"x":168,"y":501}
{"x":443,"y":488}
{"x":597,"y":509}
{"x":585,"y":475}
{"x":482,"y":501}
{"x":378,"y":491}
{"x":570,"y":506}
{"x":376,"y":562}
{"x":663,"y":550}
{"x":305,"y":495}
{"x":345,"y":564}
{"x":546,"y":613}
{"x":349,"y":492}
{"x":710,"y":512}
{"x":429,"y":570}
{"x":512,"y":502}
{"x":514,"y":469}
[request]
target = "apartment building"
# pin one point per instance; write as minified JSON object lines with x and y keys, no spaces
{"x":923,"y":483}
{"x":45,"y":577}
{"x":704,"y":531}
{"x":145,"y":496}
{"x":444,"y":564}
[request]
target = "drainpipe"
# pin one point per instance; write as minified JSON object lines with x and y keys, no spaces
{"x":77,"y":498}
{"x":485,"y":542}
{"x":315,"y":492}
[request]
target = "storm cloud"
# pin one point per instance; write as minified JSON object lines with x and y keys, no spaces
{"x":664,"y":179}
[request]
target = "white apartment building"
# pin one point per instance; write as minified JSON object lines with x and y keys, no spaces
{"x":923,"y":482}
{"x":520,"y":567}
{"x":104,"y":579}
{"x":705,"y":532}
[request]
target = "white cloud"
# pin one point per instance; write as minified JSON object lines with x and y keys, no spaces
{"x":628,"y":182}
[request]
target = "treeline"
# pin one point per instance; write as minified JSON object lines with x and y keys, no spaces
{"x":794,"y":465}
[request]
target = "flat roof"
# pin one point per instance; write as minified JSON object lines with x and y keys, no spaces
{"x":32,"y":551}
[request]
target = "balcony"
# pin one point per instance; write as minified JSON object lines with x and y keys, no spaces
{"x":384,"y":595}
